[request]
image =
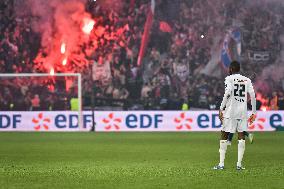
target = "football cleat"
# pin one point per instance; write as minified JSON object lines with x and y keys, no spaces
{"x":250,"y":137}
{"x":218,"y":167}
{"x":239,"y":168}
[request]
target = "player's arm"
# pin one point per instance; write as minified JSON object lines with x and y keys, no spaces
{"x":253,"y":102}
{"x":228,"y":90}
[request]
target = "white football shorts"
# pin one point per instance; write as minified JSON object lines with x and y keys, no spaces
{"x":233,"y":125}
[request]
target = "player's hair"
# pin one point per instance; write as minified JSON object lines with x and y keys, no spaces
{"x":235,"y":66}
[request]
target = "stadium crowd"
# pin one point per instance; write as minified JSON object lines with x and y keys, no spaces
{"x":179,"y":49}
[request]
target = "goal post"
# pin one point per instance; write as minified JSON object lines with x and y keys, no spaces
{"x":24,"y":77}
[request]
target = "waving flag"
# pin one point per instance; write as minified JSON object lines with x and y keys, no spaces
{"x":146,"y":34}
{"x":226,"y":52}
{"x":236,"y":35}
{"x":165,"y":27}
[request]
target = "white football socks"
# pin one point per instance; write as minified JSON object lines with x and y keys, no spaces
{"x":241,"y":151}
{"x":222,"y":151}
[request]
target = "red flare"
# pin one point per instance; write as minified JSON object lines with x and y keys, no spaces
{"x":88,"y":25}
{"x":63,"y":48}
{"x":64,"y":61}
{"x":51,"y":71}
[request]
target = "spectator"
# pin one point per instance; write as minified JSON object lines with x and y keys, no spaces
{"x":281,"y":101}
{"x":184,"y":106}
{"x":274,"y":101}
{"x":35,"y":103}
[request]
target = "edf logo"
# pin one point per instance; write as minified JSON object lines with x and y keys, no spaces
{"x":207,"y":120}
{"x":70,"y":121}
{"x":143,"y":121}
{"x":114,"y":122}
{"x":7,"y":121}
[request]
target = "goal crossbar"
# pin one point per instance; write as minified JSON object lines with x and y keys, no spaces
{"x":37,"y":74}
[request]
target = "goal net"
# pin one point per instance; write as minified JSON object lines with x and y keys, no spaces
{"x":47,"y":102}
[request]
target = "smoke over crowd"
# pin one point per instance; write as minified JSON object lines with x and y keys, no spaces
{"x":64,"y":26}
{"x":182,"y":61}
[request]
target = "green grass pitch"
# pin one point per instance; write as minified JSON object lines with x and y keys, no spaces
{"x":136,"y":160}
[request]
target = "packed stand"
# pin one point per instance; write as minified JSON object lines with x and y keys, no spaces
{"x":171,"y":73}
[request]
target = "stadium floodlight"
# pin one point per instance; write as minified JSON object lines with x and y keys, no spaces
{"x":60,"y":87}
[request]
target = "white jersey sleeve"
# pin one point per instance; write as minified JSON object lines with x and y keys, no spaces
{"x":252,"y":97}
{"x":227,"y":95}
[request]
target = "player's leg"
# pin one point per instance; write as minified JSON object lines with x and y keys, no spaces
{"x":224,"y":135}
{"x":223,"y":147}
{"x":232,"y":130}
{"x":222,"y":150}
{"x":249,"y":136}
{"x":230,"y":137}
{"x":241,"y":150}
{"x":241,"y":143}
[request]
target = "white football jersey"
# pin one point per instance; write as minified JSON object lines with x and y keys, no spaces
{"x":235,"y":98}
